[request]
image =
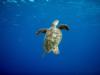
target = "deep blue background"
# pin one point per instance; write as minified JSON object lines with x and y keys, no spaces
{"x":21,"y":51}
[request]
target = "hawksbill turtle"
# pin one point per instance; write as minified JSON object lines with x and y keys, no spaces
{"x":53,"y":36}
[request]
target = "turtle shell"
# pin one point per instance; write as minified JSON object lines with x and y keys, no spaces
{"x":52,"y":39}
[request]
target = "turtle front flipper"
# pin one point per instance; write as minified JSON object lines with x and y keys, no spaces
{"x":41,"y":31}
{"x":63,"y":26}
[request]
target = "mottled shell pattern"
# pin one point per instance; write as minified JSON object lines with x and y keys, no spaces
{"x":52,"y":38}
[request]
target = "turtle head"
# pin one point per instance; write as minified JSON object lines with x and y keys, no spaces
{"x":55,"y":23}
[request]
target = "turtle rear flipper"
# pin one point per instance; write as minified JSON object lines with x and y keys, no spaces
{"x":47,"y":46}
{"x":56,"y":50}
{"x":44,"y":30}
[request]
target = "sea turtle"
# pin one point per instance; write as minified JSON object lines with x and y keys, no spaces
{"x":53,"y":36}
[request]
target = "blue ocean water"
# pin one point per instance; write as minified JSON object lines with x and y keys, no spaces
{"x":21,"y":51}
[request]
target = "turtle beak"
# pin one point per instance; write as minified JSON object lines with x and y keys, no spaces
{"x":55,"y":22}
